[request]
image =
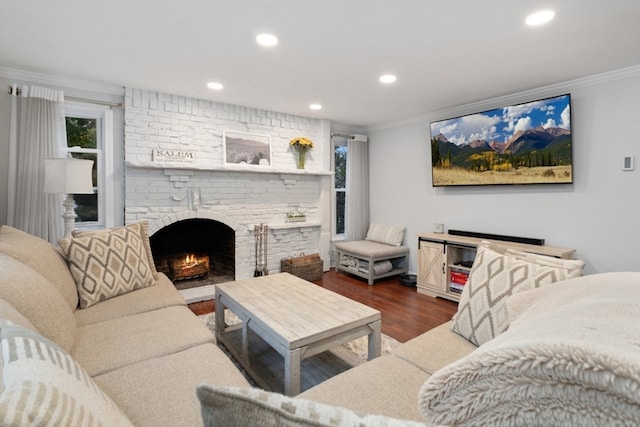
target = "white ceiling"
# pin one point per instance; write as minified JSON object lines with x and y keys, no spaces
{"x":444,"y":52}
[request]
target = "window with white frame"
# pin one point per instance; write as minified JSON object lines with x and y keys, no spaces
{"x":339,"y":185}
{"x":89,"y":136}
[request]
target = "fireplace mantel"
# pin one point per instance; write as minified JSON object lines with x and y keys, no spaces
{"x":223,"y":168}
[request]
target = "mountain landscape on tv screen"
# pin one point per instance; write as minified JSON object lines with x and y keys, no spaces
{"x":515,"y":152}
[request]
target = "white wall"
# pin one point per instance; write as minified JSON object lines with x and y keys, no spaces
{"x":599,"y":215}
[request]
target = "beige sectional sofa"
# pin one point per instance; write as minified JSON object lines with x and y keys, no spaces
{"x":144,"y":349}
{"x":140,"y":358}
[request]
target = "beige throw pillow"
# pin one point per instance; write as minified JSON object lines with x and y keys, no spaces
{"x":108,"y":264}
{"x":498,"y":273}
{"x":244,"y":406}
{"x":40,"y":384}
{"x":144,"y":235}
{"x":387,"y":234}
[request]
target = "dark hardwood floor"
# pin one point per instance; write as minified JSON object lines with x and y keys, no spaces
{"x":405,"y":312}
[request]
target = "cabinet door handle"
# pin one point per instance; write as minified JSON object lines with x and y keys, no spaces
{"x":443,"y":272}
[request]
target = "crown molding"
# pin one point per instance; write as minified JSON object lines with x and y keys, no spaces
{"x":61,"y":81}
{"x":541,"y":92}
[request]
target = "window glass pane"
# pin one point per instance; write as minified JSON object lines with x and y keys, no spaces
{"x":87,"y":207}
{"x":340,"y":167}
{"x":87,"y":204}
{"x":81,"y":132}
{"x":340,"y":204}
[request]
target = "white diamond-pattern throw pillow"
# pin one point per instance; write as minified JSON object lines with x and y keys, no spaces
{"x":495,"y":276}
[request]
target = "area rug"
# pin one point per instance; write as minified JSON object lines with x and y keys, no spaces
{"x":314,"y":370}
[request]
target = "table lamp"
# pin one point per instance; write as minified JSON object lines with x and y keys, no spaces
{"x":68,"y":176}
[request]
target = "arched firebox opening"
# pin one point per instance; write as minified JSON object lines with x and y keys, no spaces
{"x":195,"y":252}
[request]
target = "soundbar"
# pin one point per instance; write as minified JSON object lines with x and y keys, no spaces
{"x":526,"y":240}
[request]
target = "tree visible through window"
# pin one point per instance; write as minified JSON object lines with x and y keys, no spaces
{"x":340,"y":186}
{"x":83,"y":143}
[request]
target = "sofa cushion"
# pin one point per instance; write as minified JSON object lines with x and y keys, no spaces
{"x":8,"y":312}
{"x":434,"y":349}
{"x":43,"y":257}
{"x":144,"y":235}
{"x":42,"y":385}
{"x":387,"y":234}
{"x":367,"y":249}
{"x":36,"y":299}
{"x":162,"y":294}
{"x":570,"y":357}
{"x":234,"y":406}
{"x":105,"y":346}
{"x":107,"y":264}
{"x":161,"y":391}
{"x":386,"y":385}
{"x":498,"y":273}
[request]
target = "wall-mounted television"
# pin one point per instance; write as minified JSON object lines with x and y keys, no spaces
{"x":528,"y":143}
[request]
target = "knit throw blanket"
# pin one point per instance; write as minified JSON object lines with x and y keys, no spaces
{"x":571,"y":357}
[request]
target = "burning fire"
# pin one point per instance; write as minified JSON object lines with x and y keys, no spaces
{"x":191,"y":261}
{"x":189,"y":266}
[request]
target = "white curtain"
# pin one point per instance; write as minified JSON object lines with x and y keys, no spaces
{"x":357,"y":200}
{"x":37,"y":131}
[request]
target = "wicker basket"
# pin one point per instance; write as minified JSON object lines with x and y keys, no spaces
{"x":307,"y":267}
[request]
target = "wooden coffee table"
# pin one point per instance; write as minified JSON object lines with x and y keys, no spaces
{"x":296,"y":318}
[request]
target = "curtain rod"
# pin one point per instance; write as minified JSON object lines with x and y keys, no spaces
{"x":342,"y":135}
{"x":74,"y":98}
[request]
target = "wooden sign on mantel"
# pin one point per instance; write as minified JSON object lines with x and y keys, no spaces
{"x":173,"y":156}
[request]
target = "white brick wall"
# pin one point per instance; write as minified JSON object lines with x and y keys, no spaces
{"x":240,"y":199}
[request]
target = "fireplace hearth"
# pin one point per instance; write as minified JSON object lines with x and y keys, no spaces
{"x":195,"y":252}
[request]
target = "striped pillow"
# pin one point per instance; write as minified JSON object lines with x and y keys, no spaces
{"x":388,"y":234}
{"x":42,"y":385}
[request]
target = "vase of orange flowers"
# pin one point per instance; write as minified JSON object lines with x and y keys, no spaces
{"x":301,"y":145}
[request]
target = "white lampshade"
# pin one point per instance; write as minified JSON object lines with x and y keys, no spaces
{"x":68,"y":176}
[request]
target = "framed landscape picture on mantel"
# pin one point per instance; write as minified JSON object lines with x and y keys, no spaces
{"x":246,"y":149}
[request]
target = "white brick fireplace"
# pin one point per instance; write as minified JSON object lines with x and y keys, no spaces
{"x":237,"y":196}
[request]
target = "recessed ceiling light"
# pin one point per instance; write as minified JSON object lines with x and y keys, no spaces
{"x":267,"y":40}
{"x":215,"y":85}
{"x":387,"y":78}
{"x":539,"y":18}
{"x":315,"y":106}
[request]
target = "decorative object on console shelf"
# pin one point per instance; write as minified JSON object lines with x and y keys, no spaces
{"x":438,"y":227}
{"x":301,"y":145}
{"x":247,"y":149}
{"x":68,"y":176}
{"x":468,"y":155}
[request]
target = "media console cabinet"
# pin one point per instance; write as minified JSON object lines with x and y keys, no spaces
{"x":444,"y":261}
